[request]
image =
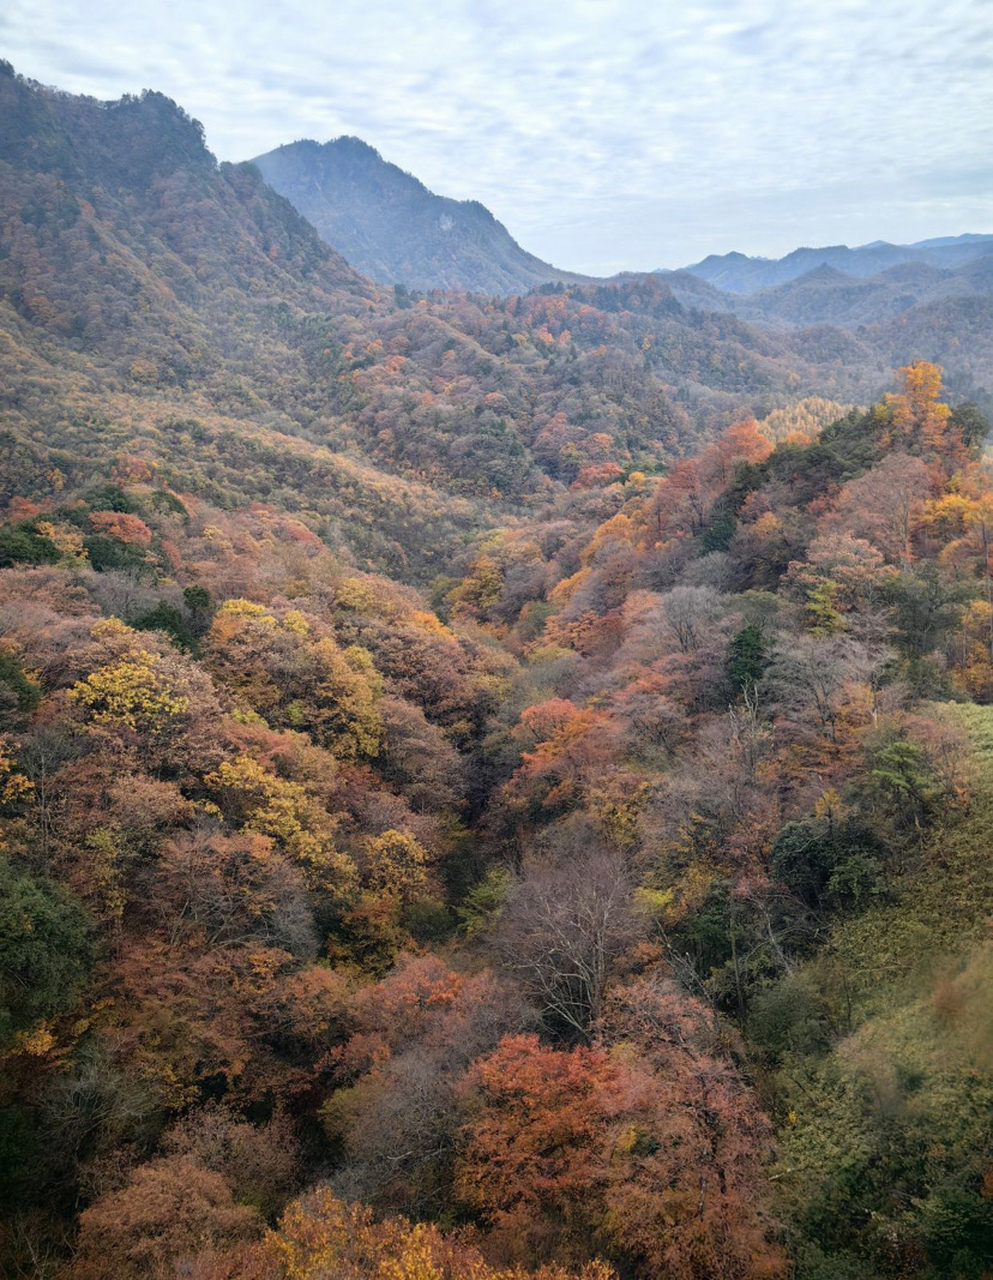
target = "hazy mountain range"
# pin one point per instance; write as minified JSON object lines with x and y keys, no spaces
{"x":737,"y":273}
{"x":389,"y":226}
{"x":827,"y":295}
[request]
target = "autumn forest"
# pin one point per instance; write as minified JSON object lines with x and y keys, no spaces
{"x":491,"y":787}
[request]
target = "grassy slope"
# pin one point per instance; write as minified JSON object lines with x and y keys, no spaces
{"x":885,"y":1139}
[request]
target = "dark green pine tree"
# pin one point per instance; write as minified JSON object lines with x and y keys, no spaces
{"x":746,"y":659}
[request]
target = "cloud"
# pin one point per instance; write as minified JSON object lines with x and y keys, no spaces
{"x":605,"y":133}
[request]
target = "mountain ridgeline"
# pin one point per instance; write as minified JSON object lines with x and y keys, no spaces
{"x":391,"y":227}
{"x":738,"y":273}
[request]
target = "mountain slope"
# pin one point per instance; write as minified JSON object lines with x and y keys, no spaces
{"x":164,"y":312}
{"x":391,"y":227}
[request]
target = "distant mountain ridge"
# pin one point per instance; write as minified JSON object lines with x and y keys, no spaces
{"x":389,"y":226}
{"x":737,"y":273}
{"x":826,"y":295}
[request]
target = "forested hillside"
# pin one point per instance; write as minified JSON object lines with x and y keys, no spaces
{"x":488,"y":788}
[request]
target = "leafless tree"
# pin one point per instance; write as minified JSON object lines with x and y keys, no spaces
{"x":807,"y":677}
{"x":565,"y":925}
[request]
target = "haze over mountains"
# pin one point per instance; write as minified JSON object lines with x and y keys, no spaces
{"x":389,"y":226}
{"x":393,"y":229}
{"x":827,"y":295}
{"x":737,"y":273}
{"x":919,"y":284}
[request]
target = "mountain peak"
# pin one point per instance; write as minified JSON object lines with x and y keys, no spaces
{"x":350,"y":145}
{"x":823,"y":273}
{"x":387,"y":224}
{"x":127,"y":142}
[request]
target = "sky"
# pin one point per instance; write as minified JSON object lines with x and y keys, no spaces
{"x":606,"y":135}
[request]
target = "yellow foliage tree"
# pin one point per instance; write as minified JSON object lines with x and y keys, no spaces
{"x":320,"y":1236}
{"x":919,"y":417}
{"x":288,"y":670}
{"x":131,"y":692}
{"x":396,"y":864}
{"x":14,"y":786}
{"x":276,"y":807}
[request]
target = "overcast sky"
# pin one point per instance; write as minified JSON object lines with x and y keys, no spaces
{"x":606,"y":134}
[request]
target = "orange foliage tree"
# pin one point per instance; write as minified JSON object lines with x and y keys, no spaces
{"x":654,"y":1163}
